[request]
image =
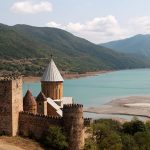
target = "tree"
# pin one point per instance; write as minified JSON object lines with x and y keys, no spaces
{"x":147,"y":125}
{"x":133,"y":127}
{"x":128,"y":142}
{"x":111,"y":142}
{"x":143,"y":140}
{"x":90,"y":144}
{"x":53,"y":138}
{"x":100,"y":131}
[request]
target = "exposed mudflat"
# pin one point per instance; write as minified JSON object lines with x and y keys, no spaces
{"x":134,"y":105}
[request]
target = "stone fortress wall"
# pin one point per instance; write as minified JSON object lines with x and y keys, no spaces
{"x":14,"y":121}
{"x":36,"y":124}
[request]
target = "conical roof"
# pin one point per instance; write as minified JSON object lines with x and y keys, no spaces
{"x":52,"y":73}
{"x":41,"y":97}
{"x":28,"y":99}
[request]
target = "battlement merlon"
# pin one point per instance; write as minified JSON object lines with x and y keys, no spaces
{"x":40,"y":115}
{"x":68,"y":106}
{"x":72,"y":109}
{"x":10,"y":77}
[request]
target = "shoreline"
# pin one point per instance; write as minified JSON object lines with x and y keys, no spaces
{"x":33,"y":79}
{"x":129,"y":106}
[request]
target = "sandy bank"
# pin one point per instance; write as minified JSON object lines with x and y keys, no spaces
{"x":134,"y":105}
{"x":67,"y":76}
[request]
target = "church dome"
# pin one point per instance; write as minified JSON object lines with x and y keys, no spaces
{"x":29,"y":103}
{"x":52,"y":73}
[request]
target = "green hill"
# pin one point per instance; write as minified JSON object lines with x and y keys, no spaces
{"x":138,"y":45}
{"x":27,"y":49}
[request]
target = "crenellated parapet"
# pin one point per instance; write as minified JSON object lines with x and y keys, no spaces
{"x":40,"y":115}
{"x":10,"y":77}
{"x":73,"y":109}
{"x":73,"y":106}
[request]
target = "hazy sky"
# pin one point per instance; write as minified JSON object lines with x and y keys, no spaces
{"x":96,"y":20}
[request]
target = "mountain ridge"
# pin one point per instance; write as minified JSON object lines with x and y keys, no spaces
{"x":138,"y":45}
{"x":71,"y":53}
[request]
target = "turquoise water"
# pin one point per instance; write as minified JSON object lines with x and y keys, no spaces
{"x":97,"y":90}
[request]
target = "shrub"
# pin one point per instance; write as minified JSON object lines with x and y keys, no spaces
{"x":53,"y":138}
{"x":111,"y":142}
{"x":143,"y":140}
{"x":128,"y":142}
{"x":90,"y":144}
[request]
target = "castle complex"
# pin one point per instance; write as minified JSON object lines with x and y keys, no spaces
{"x":25,"y":115}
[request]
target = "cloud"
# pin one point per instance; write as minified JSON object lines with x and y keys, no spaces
{"x":97,"y":30}
{"x":107,"y":28}
{"x":107,"y":24}
{"x":139,"y":24}
{"x":31,"y":7}
{"x":53,"y":24}
{"x":74,"y":27}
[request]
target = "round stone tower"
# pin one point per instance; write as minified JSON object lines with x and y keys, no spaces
{"x":52,"y":82}
{"x":29,"y":103}
{"x":74,"y":125}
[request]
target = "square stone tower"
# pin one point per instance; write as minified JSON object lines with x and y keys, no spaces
{"x":11,"y":103}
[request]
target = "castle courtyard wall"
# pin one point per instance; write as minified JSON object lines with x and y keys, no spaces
{"x":36,"y":124}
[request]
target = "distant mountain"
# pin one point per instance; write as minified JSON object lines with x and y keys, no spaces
{"x":27,"y":49}
{"x":138,"y":45}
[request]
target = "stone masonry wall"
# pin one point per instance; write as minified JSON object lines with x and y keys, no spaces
{"x":42,"y":107}
{"x":74,"y":125}
{"x":17,"y":104}
{"x":10,"y":104}
{"x":5,"y":107}
{"x":36,"y":124}
{"x":54,"y":90}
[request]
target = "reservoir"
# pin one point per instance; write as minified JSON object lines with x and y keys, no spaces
{"x":100,"y":89}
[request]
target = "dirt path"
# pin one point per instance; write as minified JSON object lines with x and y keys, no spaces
{"x":6,"y":146}
{"x":18,"y":143}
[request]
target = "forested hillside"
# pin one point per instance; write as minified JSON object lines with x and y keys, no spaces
{"x":27,"y":49}
{"x":138,"y":45}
